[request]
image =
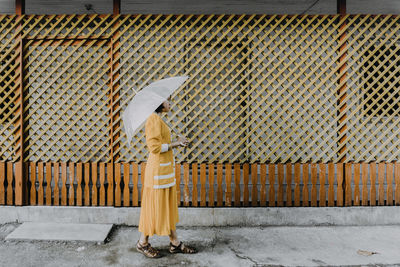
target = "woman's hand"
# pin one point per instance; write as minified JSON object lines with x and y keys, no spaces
{"x":183,"y":141}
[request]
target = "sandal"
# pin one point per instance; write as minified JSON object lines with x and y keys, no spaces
{"x":148,"y":250}
{"x":181,"y":248}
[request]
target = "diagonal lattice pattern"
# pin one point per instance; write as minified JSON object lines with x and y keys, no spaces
{"x":261,"y":88}
{"x":9,"y":93}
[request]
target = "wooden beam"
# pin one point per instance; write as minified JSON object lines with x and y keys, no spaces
{"x":341,"y":8}
{"x":116,"y":7}
{"x":19,"y":7}
{"x":114,"y":85}
{"x":20,"y":174}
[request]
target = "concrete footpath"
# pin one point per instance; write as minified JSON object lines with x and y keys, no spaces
{"x":219,"y":246}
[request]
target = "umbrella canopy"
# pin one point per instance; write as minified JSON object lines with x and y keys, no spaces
{"x":146,"y":101}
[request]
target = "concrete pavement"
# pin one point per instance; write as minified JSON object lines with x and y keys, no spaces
{"x":220,"y":246}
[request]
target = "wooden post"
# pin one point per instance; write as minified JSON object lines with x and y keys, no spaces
{"x":341,"y":9}
{"x":20,"y":175}
{"x":114,"y":102}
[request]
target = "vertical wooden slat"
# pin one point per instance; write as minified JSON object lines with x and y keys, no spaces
{"x":339,"y":195}
{"x":102,"y":178}
{"x":40,"y":180}
{"x":48,"y":183}
{"x":305,"y":185}
{"x":254,"y":189}
{"x":263,"y":181}
{"x":110,"y":184}
{"x":10,"y":193}
{"x":20,"y":183}
{"x":33,"y":183}
{"x":289,"y":185}
{"x":331,"y":181}
{"x":135,"y":180}
{"x":314,"y":178}
{"x":228,"y":181}
{"x":211,"y":184}
{"x":2,"y":180}
{"x":126,"y":191}
{"x":203,"y":193}
{"x":79,"y":181}
{"x":373,"y":181}
{"x":246,"y":184}
{"x":348,"y":179}
{"x":195,"y":195}
{"x":322,"y":181}
{"x":186,"y":196}
{"x":297,"y":175}
{"x":237,"y":184}
{"x":94,"y":184}
{"x":280,"y":184}
{"x":364,"y":179}
{"x":356,"y":184}
{"x":178,"y":183}
{"x":219,"y":184}
{"x":56,"y":183}
{"x":64,"y":184}
{"x":117,"y":175}
{"x":389,"y":182}
{"x":271,"y":191}
{"x":86,"y":179}
{"x":397,"y":183}
{"x":381,"y":180}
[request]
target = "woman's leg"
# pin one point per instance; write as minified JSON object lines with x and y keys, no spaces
{"x":177,"y":246}
{"x":173,"y":237}
{"x":144,"y":239}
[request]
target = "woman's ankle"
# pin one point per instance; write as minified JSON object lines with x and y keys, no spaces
{"x":143,"y":243}
{"x":175,"y":242}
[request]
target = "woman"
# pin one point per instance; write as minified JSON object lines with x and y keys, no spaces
{"x":159,"y":212}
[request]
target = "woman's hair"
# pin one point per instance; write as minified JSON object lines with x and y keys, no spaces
{"x":160,"y":108}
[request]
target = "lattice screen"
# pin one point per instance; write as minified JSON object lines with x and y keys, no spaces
{"x":261,"y":88}
{"x":8,"y":89}
{"x":374,"y":87}
{"x":65,"y":86}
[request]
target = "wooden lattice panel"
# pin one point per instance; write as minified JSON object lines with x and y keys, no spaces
{"x":374,"y":89}
{"x":67,"y":93}
{"x":261,"y":88}
{"x":8,"y":88}
{"x":258,"y":85}
{"x":69,"y":26}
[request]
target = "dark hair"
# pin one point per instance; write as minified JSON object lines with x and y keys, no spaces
{"x":160,"y":108}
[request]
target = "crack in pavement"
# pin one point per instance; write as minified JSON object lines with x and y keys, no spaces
{"x":243,"y":257}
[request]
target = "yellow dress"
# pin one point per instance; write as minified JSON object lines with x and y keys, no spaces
{"x":159,"y":205}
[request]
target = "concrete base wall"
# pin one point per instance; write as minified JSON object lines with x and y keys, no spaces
{"x":293,"y":216}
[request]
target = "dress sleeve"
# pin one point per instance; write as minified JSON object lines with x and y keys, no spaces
{"x":153,"y":134}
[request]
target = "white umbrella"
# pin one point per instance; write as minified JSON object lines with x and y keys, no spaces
{"x":146,"y":101}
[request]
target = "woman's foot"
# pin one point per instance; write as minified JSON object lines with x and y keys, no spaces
{"x":148,"y":250}
{"x":181,"y":248}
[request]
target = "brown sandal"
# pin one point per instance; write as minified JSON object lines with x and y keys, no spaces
{"x":181,"y":248}
{"x":148,"y":250}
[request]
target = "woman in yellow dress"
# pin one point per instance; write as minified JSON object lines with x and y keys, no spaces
{"x":159,"y":211}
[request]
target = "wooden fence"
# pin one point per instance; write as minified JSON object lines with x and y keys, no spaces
{"x":211,"y":185}
{"x":270,"y":100}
